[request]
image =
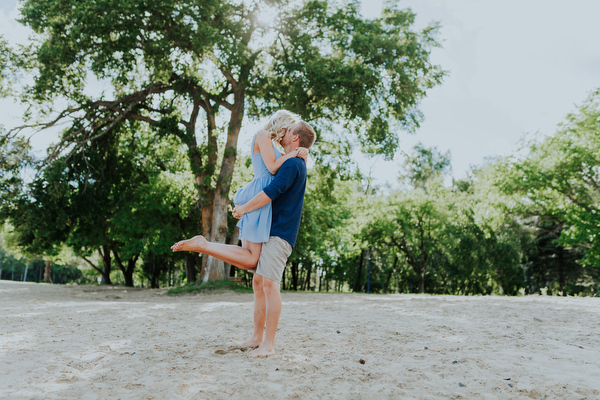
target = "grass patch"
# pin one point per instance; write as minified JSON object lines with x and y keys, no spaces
{"x":210,"y":287}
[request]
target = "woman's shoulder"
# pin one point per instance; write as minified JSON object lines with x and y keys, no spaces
{"x":262,"y":133}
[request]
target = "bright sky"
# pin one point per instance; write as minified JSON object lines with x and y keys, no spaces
{"x":515,"y":66}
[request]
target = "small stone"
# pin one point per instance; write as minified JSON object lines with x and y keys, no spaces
{"x":454,"y":362}
{"x":507,"y":379}
{"x":133,"y":353}
{"x":362,"y":361}
{"x":426,"y":348}
{"x":338,"y":332}
{"x":460,"y":384}
{"x":276,"y":369}
{"x":510,"y":384}
{"x":537,"y":319}
{"x":185,"y":345}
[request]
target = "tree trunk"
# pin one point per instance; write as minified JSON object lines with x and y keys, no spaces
{"x":295,"y":275}
{"x":106,"y":264}
{"x":218,"y":229}
{"x":128,"y":274}
{"x":561,"y":269}
{"x":127,"y":271}
{"x":422,"y":280}
{"x":389,"y":277}
{"x":48,"y":272}
{"x":154,"y":274}
{"x":306,"y":285}
{"x":234,"y":242}
{"x":190,"y":267}
{"x":358,"y":279}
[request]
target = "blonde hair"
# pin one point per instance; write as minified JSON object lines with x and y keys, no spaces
{"x":279,"y":123}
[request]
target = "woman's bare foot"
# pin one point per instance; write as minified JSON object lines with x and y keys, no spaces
{"x":197,"y":244}
{"x":262,"y":351}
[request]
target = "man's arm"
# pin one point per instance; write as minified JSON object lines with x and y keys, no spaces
{"x":283,"y":180}
{"x":255,"y":203}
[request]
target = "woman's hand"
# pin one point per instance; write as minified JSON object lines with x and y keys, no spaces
{"x":236,"y":212}
{"x":302,"y":152}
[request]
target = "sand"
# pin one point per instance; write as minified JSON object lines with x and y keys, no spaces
{"x":93,"y":342}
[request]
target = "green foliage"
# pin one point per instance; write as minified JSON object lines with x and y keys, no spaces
{"x":425,"y":165}
{"x":337,"y":66}
{"x":320,"y":59}
{"x":558,"y":180}
{"x":210,"y":287}
{"x":15,"y":158}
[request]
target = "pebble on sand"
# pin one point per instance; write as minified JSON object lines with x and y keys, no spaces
{"x":460,"y":384}
{"x":362,"y":361}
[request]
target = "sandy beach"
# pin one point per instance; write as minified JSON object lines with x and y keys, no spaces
{"x":92,"y":342}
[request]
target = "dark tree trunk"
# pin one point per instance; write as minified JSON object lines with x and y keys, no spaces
{"x":306,"y":285}
{"x":295,"y":275}
{"x":48,"y":272}
{"x":234,"y":242}
{"x":154,"y":275}
{"x":358,"y":280}
{"x":106,"y":264}
{"x":561,"y":269}
{"x":190,"y":267}
{"x":127,"y":271}
{"x":128,"y":274}
{"x":389,"y":277}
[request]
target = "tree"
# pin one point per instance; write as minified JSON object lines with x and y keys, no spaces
{"x":557,"y":183}
{"x":412,"y":225}
{"x":425,"y":165}
{"x":327,"y":208}
{"x":178,"y":65}
{"x":112,"y":198}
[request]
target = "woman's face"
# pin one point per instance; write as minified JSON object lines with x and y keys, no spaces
{"x":287,"y":138}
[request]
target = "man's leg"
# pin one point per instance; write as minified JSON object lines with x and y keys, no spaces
{"x":242,"y":257}
{"x":259,"y":313}
{"x":273,"y":302}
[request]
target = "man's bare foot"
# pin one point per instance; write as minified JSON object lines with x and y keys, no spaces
{"x":262,"y":351}
{"x":250,"y":343}
{"x":197,"y":244}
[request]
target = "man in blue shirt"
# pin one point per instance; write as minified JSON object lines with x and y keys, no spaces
{"x":287,"y":194}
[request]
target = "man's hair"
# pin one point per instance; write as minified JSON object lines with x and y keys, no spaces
{"x":306,"y":134}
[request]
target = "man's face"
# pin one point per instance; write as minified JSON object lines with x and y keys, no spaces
{"x":287,"y":138}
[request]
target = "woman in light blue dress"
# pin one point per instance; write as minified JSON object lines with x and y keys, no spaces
{"x":255,"y":226}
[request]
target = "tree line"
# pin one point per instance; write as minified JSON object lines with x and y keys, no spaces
{"x":155,"y":157}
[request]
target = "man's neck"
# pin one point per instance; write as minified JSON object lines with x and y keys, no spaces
{"x":290,"y":147}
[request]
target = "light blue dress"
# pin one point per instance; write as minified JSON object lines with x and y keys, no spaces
{"x":255,"y":226}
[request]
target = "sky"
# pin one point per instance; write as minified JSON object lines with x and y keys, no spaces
{"x":515,"y":67}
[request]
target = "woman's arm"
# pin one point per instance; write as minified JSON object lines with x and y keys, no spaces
{"x":267,"y":152}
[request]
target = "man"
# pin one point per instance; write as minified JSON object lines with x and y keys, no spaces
{"x":287,"y":194}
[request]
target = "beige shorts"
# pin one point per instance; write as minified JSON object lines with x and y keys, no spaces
{"x":273,"y":258}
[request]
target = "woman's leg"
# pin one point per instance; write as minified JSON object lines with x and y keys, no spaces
{"x":245,"y":257}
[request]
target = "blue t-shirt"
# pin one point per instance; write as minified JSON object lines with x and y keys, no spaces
{"x":287,"y":193}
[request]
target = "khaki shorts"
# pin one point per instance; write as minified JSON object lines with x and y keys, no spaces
{"x":273,"y":258}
